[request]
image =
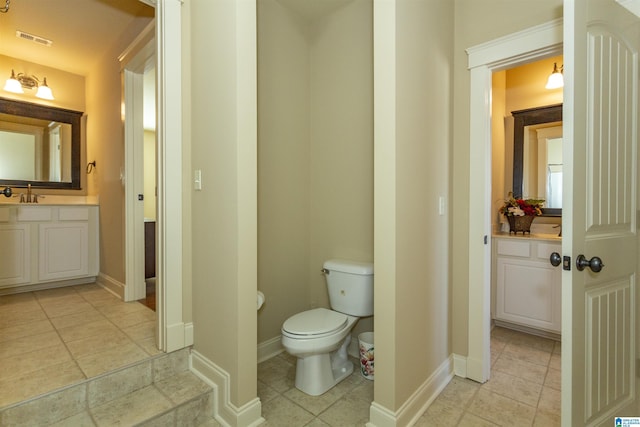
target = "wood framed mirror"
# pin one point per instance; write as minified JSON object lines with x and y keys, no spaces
{"x":39,"y":145}
{"x":535,"y":174}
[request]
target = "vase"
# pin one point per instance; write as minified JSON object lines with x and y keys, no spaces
{"x":520,"y":223}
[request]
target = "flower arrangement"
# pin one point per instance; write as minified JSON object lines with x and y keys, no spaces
{"x":521,"y":207}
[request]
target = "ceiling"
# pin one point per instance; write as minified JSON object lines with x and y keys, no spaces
{"x":81,"y":30}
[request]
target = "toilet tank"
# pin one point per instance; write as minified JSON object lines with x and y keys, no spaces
{"x":350,"y":285}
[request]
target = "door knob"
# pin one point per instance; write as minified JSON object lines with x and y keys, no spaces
{"x":595,"y":263}
{"x":555,"y":259}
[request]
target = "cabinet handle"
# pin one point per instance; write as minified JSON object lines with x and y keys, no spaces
{"x":555,"y":259}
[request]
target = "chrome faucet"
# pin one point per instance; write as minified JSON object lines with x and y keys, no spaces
{"x":29,"y":197}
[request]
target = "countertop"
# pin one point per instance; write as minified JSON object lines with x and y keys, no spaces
{"x":51,"y":200}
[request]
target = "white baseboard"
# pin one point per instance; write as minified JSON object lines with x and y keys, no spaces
{"x":418,"y":402}
{"x":460,"y":365}
{"x":225,"y":412}
{"x":270,"y":348}
{"x":188,"y":334}
{"x":111,"y":284}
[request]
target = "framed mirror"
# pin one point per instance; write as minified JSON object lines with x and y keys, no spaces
{"x":39,"y":145}
{"x":537,"y":156}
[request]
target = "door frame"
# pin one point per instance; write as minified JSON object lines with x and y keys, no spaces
{"x":172,"y":333}
{"x":515,"y":49}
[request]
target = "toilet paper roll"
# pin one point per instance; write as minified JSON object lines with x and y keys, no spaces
{"x":260,"y":299}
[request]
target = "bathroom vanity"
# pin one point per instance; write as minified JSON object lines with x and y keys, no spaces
{"x":47,"y":245}
{"x":527,"y":288}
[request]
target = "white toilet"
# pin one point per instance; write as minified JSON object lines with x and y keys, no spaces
{"x":319,"y":338}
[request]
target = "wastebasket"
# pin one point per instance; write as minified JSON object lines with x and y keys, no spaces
{"x":365,"y":343}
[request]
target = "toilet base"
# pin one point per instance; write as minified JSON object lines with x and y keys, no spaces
{"x":320,"y":372}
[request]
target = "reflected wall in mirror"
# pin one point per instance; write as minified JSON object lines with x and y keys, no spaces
{"x":537,"y":155}
{"x":39,"y":145}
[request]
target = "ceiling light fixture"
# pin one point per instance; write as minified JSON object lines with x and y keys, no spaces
{"x":17,"y":84}
{"x":556,"y":79}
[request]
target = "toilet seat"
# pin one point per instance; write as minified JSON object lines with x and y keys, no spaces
{"x":315,"y":323}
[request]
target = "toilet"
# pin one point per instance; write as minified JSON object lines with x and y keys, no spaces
{"x":320,"y":337}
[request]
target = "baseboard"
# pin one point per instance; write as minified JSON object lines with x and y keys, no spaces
{"x":270,"y":348}
{"x":418,"y":402}
{"x":225,"y":412}
{"x":460,"y":365}
{"x":48,"y":285}
{"x":188,"y":334}
{"x":111,"y":284}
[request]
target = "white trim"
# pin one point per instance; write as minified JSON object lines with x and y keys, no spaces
{"x":225,"y":412}
{"x":417,"y":403}
{"x":524,"y":46}
{"x":48,"y":285}
{"x":270,"y":348}
{"x":188,"y":334}
{"x":460,"y":366}
{"x":632,"y":6}
{"x":111,"y":285}
{"x":169,"y":168}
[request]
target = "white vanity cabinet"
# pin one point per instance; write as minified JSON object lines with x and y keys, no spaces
{"x":47,"y":245}
{"x":527,"y":287}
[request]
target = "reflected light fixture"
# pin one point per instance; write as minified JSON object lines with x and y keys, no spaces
{"x":17,"y":84}
{"x":556,"y":79}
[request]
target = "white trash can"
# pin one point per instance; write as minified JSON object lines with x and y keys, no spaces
{"x":365,"y":343}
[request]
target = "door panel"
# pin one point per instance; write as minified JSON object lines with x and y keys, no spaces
{"x":600,"y":129}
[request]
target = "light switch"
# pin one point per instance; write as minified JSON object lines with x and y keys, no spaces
{"x":441,"y":205}
{"x":197,"y":180}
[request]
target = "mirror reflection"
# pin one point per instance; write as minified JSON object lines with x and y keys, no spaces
{"x":537,"y":155}
{"x":40,"y":145}
{"x":40,"y":150}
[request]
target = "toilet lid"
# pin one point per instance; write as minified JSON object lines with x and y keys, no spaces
{"x":315,"y":322}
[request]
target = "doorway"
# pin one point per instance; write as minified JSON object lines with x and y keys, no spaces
{"x":519,"y":48}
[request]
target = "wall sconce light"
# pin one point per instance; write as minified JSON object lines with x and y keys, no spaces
{"x":17,"y":84}
{"x":556,"y":79}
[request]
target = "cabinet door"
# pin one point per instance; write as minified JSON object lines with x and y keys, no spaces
{"x":15,"y":259}
{"x":528,"y":293}
{"x":63,"y":251}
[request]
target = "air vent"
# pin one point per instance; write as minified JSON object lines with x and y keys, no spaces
{"x":33,"y":38}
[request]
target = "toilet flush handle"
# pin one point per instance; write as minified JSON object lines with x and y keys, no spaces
{"x":325,"y":271}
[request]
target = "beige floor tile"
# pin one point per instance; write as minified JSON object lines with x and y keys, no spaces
{"x":47,"y":410}
{"x":82,"y":419}
{"x":317,"y":422}
{"x":77,"y":319}
{"x":118,"y":384}
{"x":135,"y":318}
{"x":120,"y":310}
{"x":149,"y":346}
{"x":281,"y":411}
{"x":110,"y":359}
{"x":539,"y":343}
{"x":33,"y":361}
{"x":550,"y":401}
{"x":141,"y":331}
{"x":10,"y":318}
{"x":440,"y":414}
{"x":66,"y":308}
{"x":527,"y":354}
{"x":97,"y":328}
{"x":543,"y":419}
{"x":555,"y":361}
{"x":38,"y":382}
{"x":515,"y":388}
{"x":25,"y":330}
{"x":132,"y":408}
{"x":266,"y":393}
{"x":553,"y":379}
{"x":98,"y":343}
{"x":182,"y":387}
{"x":317,"y":404}
{"x":557,"y":347}
{"x":18,"y":346}
{"x":277,"y":373}
{"x":499,"y":409}
{"x":15,"y":304}
{"x":470,"y":420}
{"x":525,"y":370}
{"x":347,"y":412}
{"x":459,"y":392}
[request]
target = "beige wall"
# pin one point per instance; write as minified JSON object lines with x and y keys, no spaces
{"x":477,"y":22}
{"x":105,"y":145}
{"x":413,"y":137}
{"x":315,"y":150}
{"x":222,"y":120}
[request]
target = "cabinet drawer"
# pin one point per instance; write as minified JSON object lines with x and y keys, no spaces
{"x":34,"y":213}
{"x":519,"y":248}
{"x":73,"y":214}
{"x":545,"y":249}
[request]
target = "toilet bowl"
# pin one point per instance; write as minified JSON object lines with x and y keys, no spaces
{"x":320,"y":337}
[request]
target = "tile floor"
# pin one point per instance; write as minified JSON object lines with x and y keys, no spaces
{"x":57,"y":337}
{"x":53,"y":338}
{"x":524,"y":390}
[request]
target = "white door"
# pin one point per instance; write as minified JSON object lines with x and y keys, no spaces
{"x":599,"y":348}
